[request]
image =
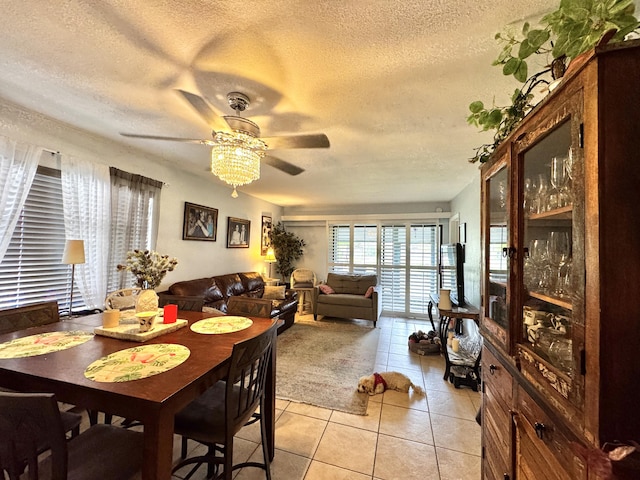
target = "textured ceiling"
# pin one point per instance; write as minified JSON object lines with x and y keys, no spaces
{"x":389,"y":82}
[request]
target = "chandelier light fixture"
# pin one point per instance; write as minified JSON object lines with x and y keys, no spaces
{"x":235,"y":158}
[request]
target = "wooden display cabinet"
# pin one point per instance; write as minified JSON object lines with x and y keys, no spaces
{"x":561,"y":230}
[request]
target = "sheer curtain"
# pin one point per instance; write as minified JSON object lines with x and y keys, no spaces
{"x":135,"y":214}
{"x":86,"y":200}
{"x":18,"y":164}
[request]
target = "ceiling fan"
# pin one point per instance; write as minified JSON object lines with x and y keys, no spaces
{"x":231,"y":131}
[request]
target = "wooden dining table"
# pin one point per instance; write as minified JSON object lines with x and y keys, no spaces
{"x":153,"y":400}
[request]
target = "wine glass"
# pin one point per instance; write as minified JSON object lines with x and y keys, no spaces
{"x":557,"y":196}
{"x":529,"y":195}
{"x":558,"y":251}
{"x":539,"y":259}
{"x":541,"y":194}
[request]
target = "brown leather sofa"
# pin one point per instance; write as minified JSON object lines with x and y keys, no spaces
{"x":217,"y":290}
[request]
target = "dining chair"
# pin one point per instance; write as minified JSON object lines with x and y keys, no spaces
{"x":123,"y":299}
{"x":21,"y":318}
{"x":249,"y":306}
{"x":218,"y":414}
{"x":187,"y":303}
{"x":30,"y":420}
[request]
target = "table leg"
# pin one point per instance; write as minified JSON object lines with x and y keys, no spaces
{"x":158,"y":447}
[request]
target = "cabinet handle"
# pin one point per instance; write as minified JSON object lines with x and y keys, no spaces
{"x":505,"y":476}
{"x":540,"y":428}
{"x":508,"y":252}
{"x":492,"y":369}
{"x":525,"y":252}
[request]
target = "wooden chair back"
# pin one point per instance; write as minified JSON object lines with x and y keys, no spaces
{"x":15,"y":319}
{"x":249,"y":307}
{"x":192,"y":304}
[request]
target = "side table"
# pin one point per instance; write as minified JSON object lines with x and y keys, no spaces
{"x":468,"y":354}
{"x":272,"y":282}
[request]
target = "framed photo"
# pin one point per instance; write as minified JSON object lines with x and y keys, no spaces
{"x":200,"y":222}
{"x":238,"y":233}
{"x":265,"y":242}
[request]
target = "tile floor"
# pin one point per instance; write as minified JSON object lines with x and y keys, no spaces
{"x":402,"y":437}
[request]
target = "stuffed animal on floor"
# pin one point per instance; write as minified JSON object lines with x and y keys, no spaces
{"x":379,"y":382}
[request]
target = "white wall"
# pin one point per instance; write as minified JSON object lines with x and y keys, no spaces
{"x":467,"y":204}
{"x":195,"y":258}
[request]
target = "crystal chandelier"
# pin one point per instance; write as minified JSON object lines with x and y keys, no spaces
{"x":235,"y":158}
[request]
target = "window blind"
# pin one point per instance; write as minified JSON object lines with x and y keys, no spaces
{"x":31,"y":271}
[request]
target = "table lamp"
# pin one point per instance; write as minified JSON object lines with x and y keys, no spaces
{"x":73,"y":254}
{"x":270,"y":258}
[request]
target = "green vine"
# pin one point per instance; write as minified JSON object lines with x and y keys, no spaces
{"x":575,"y":27}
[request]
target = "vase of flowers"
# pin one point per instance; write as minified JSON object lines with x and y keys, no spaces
{"x":149,"y":268}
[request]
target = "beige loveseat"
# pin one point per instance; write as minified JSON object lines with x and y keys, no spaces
{"x":349,"y":298}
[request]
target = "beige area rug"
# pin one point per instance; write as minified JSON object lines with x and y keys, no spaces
{"x":320,"y":362}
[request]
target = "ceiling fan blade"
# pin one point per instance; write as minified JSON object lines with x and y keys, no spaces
{"x":319,"y":140}
{"x":214,"y":121}
{"x":171,"y":139}
{"x":286,"y":167}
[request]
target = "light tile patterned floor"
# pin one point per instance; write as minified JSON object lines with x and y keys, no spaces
{"x":402,"y":437}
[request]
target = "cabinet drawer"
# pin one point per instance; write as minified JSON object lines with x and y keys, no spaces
{"x":539,"y":435}
{"x":495,"y":375}
{"x":497,"y":424}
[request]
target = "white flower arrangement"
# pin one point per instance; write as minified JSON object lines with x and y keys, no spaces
{"x":148,"y":266}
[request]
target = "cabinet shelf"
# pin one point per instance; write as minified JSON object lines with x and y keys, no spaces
{"x":552,"y":300}
{"x":563,"y":213}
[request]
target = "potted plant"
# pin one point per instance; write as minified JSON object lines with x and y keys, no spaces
{"x":575,"y":27}
{"x":287,"y":248}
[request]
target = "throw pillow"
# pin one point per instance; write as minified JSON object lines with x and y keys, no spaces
{"x":369,"y":292}
{"x":274,"y":293}
{"x":326,"y":289}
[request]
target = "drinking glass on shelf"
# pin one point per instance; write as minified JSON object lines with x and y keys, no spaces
{"x":539,"y":259}
{"x":558,"y":194}
{"x":541,"y":196}
{"x":558,"y":250}
{"x":529,"y":196}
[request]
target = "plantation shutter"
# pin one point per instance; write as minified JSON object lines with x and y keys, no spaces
{"x":365,"y":249}
{"x":393,"y":271}
{"x":423,"y":268}
{"x":339,"y":248}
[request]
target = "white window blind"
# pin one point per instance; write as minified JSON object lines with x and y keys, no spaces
{"x":498,"y":239}
{"x":339,"y":248}
{"x":423,"y":266}
{"x":31,"y":271}
{"x":393,"y":267}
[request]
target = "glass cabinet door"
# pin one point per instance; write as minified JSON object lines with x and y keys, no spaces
{"x":497,"y":253}
{"x":551,"y":335}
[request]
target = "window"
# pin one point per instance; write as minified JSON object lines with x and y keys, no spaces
{"x":406,"y":264}
{"x":497,"y":261}
{"x":31,"y":271}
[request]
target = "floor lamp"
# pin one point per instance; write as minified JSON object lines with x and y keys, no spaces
{"x":73,"y":254}
{"x":270,"y":259}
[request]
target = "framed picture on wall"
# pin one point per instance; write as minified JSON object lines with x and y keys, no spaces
{"x":238,"y":233}
{"x":265,"y":242}
{"x":200,"y":222}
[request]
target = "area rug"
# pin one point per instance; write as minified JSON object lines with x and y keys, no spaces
{"x":320,"y":362}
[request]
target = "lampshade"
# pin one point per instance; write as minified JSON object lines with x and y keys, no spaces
{"x":73,"y":252}
{"x":270,"y":257}
{"x":235,"y":158}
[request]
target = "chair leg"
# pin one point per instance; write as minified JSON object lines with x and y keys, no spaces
{"x":265,"y":447}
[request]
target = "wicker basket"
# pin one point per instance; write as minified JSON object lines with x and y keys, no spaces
{"x":425,"y":348}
